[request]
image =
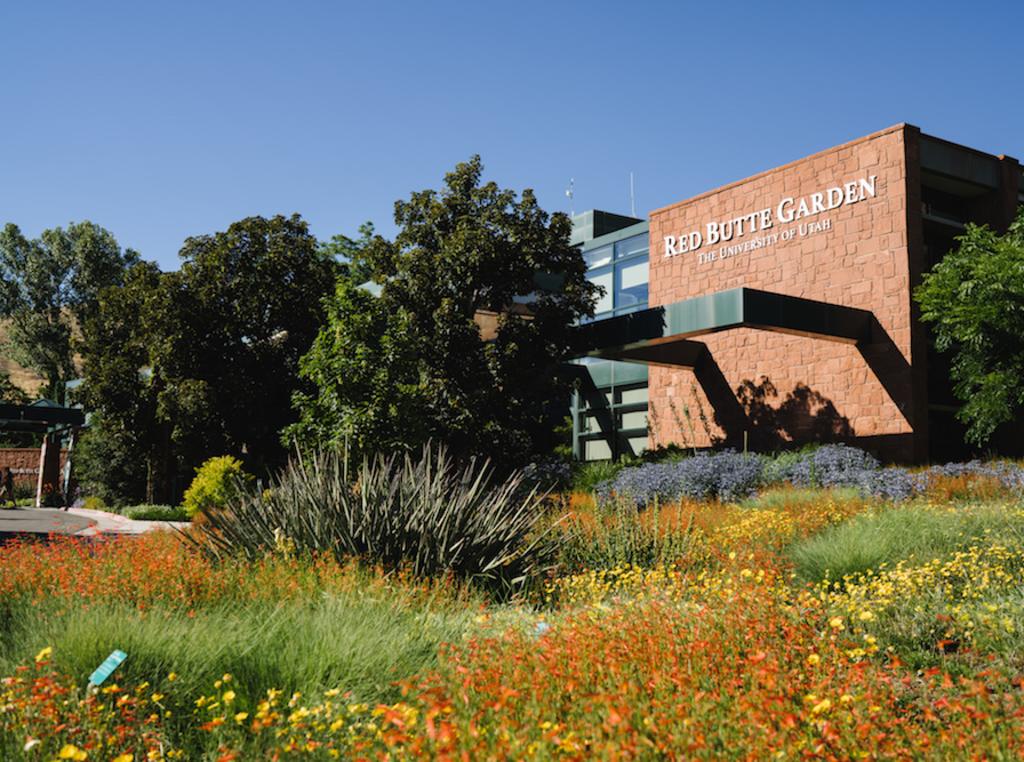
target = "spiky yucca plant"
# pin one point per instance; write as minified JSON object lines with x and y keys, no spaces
{"x":426,"y":513}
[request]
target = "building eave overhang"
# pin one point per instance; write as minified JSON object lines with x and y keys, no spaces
{"x":665,"y":335}
{"x":40,"y":417}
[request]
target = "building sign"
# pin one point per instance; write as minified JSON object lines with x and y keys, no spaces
{"x":764,"y":221}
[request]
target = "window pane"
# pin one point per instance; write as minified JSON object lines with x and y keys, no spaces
{"x":598,"y":257}
{"x":633,"y":396}
{"x":631,"y":284}
{"x":634,"y":420}
{"x":604,"y":304}
{"x":639,"y":444}
{"x":596,"y":449}
{"x":629,"y":246}
{"x":592,"y":424}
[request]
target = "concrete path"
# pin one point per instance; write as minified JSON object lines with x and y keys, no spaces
{"x":111,"y":523}
{"x":79,"y":522}
{"x":41,"y":521}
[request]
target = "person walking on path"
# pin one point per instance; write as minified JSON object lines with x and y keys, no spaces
{"x":7,"y":487}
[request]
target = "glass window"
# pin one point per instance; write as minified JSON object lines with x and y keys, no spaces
{"x":591,"y":424}
{"x":598,"y":257}
{"x":634,"y":420}
{"x":596,"y":449}
{"x":639,"y":444}
{"x":627,"y":247}
{"x":631,"y":284}
{"x":633,"y":396}
{"x":604,"y":304}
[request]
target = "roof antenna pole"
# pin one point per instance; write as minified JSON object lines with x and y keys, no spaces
{"x":632,"y":197}
{"x":570,"y":192}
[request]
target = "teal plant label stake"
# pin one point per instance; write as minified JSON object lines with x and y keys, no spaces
{"x":107,"y":668}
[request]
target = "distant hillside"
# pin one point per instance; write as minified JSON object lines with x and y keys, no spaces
{"x":26,"y":379}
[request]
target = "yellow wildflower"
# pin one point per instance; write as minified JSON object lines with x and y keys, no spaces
{"x":822,"y":706}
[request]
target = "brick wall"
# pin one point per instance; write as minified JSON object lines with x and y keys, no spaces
{"x":24,"y":462}
{"x":799,"y":387}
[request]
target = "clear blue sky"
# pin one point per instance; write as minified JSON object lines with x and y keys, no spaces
{"x":163,"y":120}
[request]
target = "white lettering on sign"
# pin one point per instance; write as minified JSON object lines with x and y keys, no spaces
{"x":786,"y":211}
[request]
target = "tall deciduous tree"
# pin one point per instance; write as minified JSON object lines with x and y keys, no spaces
{"x":974,"y":300}
{"x":238,"y":316}
{"x":209,"y":355}
{"x":51,"y":284}
{"x":479,"y":293}
{"x":116,"y":456}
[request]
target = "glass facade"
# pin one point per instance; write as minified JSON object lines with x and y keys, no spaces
{"x":620,"y":268}
{"x":609,"y":409}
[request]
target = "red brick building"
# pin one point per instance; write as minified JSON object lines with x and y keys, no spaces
{"x":779,"y":308}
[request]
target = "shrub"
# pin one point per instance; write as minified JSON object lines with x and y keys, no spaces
{"x":725,"y":475}
{"x":590,"y":475}
{"x":551,"y":474}
{"x":156,"y":513}
{"x":427,"y":513}
{"x":833,"y":465}
{"x":778,"y":468}
{"x":94,"y":503}
{"x":731,"y":476}
{"x":972,"y":479}
{"x":886,"y":483}
{"x":218,"y":481}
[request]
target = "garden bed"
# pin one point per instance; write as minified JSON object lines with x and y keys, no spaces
{"x":817,"y":621}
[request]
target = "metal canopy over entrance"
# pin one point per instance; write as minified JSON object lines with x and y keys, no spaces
{"x":50,"y":420}
{"x":670,"y":335}
{"x":41,"y":417}
{"x":664,"y":335}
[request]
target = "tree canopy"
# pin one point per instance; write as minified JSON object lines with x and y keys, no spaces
{"x":974,"y":300}
{"x":185,"y":365}
{"x":345,"y":251}
{"x":50,"y":285}
{"x":478,"y":294}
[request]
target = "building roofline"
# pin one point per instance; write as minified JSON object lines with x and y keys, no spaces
{"x":962,"y":147}
{"x":902,"y":126}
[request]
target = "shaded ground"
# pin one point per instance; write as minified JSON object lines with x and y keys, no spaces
{"x":43,"y":521}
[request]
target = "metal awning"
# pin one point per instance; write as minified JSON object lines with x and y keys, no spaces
{"x":41,"y":417}
{"x":665,"y":335}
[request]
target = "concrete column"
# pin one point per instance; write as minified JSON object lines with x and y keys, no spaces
{"x":49,"y":468}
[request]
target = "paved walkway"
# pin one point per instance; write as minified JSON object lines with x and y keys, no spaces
{"x":43,"y":521}
{"x":75,"y":521}
{"x":111,"y":523}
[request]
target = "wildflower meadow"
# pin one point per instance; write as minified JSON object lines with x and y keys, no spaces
{"x":808,"y":617}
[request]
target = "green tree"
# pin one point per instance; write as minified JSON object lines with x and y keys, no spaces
{"x":187,"y":365}
{"x":346,"y":252}
{"x":479,"y":293}
{"x":116,"y":455}
{"x":50,"y":285}
{"x":10,"y":392}
{"x":974,"y":300}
